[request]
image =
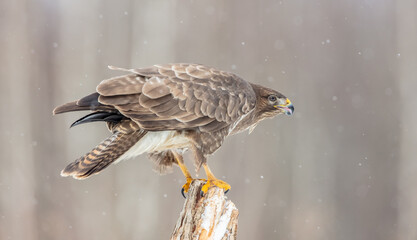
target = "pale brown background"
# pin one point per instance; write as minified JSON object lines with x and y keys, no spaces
{"x":343,"y":167}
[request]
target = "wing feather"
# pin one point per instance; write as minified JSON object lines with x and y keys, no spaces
{"x":122,"y":85}
{"x":155,"y":87}
{"x":119,"y":99}
{"x":165,"y":106}
{"x":174,"y":111}
{"x":179,"y":96}
{"x":147,"y":102}
{"x":133,"y":108}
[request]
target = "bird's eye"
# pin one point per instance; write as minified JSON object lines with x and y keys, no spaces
{"x":272,"y":98}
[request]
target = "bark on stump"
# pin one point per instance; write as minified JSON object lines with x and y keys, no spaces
{"x":208,"y":217}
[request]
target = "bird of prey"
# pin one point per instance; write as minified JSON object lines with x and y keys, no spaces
{"x":165,"y":110}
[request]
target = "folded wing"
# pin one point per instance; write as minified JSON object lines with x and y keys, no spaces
{"x":178,"y":96}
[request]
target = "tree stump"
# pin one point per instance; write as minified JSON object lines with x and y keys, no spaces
{"x":210,"y":217}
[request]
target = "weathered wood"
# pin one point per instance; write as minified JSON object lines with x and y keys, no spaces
{"x":208,"y":217}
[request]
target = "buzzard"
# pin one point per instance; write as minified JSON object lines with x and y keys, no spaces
{"x":165,"y":110}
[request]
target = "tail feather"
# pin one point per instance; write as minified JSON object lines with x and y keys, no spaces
{"x":103,"y":155}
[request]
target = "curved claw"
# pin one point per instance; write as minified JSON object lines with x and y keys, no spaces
{"x":226,"y":191}
{"x":182,"y":192}
{"x":186,"y":187}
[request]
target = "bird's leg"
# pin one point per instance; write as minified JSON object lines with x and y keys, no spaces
{"x":213,"y":181}
{"x":189,"y":179}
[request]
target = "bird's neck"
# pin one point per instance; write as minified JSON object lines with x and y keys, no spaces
{"x":247,"y":122}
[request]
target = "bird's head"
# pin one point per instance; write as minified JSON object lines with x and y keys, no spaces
{"x":272,"y":103}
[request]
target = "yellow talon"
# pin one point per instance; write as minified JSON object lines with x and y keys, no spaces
{"x":218,"y":183}
{"x":210,"y":182}
{"x":186,"y":186}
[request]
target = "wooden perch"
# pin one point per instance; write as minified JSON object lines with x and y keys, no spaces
{"x":206,"y":218}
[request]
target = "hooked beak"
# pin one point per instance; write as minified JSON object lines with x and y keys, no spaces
{"x":287,"y":107}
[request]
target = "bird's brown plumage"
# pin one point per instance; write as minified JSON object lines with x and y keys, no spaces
{"x":197,"y":103}
{"x":178,"y":96}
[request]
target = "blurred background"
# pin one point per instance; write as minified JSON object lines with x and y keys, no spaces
{"x":342,"y":167}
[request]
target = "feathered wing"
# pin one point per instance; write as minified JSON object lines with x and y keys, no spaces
{"x":107,"y":152}
{"x":178,"y":96}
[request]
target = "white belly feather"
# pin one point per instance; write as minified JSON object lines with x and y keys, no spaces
{"x":156,"y":142}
